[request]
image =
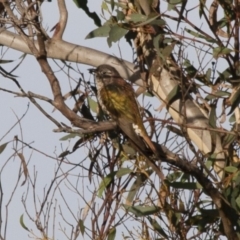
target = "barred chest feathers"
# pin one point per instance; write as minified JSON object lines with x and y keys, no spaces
{"x":100,"y":86}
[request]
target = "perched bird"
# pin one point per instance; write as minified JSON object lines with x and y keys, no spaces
{"x":117,"y":98}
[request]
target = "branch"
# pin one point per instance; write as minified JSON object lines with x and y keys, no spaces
{"x":59,"y":49}
{"x":227,"y":214}
{"x":60,"y":28}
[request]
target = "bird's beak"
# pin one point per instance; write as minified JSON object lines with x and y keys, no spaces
{"x":92,"y":70}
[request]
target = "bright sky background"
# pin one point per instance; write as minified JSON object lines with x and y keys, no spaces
{"x":35,"y":126}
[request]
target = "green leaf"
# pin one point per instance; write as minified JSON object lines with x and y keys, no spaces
{"x":212,"y":158}
{"x":92,"y":104}
{"x":138,"y":183}
{"x":225,"y":74}
{"x":137,"y":17}
{"x":238,"y":201}
{"x":22,"y":223}
{"x":141,"y":211}
{"x":234,"y":100}
{"x":157,"y":227}
{"x":232,"y":119}
{"x":8,"y":73}
{"x":5,"y":61}
{"x":112,"y":234}
{"x":129,"y":150}
{"x":185,"y":185}
{"x":198,"y":35}
{"x":208,"y":164}
{"x":174,"y":176}
{"x":120,"y":15}
{"x":69,"y":136}
{"x":231,"y":169}
{"x":228,"y":139}
{"x":217,"y":95}
{"x":183,"y":7}
{"x":112,"y":4}
{"x":156,"y":41}
{"x":63,"y":154}
{"x":222,"y":23}
{"x":81,"y":225}
{"x":120,"y":5}
{"x":99,"y":32}
{"x":190,"y":69}
{"x":3,"y":146}
{"x":213,"y":117}
{"x":173,"y":95}
{"x":115,"y":34}
{"x":159,"y":22}
{"x":150,"y":20}
{"x":123,"y":171}
{"x":148,"y":94}
{"x":104,"y":6}
{"x":236,"y":179}
{"x":175,"y":2}
{"x":105,"y":182}
{"x":168,"y":50}
{"x":220,"y":51}
{"x":201,"y":7}
{"x":209,"y":74}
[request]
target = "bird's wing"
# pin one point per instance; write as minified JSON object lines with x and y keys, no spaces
{"x":140,"y":146}
{"x":128,"y":130}
{"x":120,"y":102}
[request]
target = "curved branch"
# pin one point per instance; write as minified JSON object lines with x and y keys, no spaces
{"x":59,"y":49}
{"x":60,"y":28}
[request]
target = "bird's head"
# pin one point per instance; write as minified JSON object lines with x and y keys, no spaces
{"x":104,"y":71}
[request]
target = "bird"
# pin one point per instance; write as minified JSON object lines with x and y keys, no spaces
{"x":117,"y":98}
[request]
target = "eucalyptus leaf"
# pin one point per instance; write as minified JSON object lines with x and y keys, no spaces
{"x":115,"y":34}
{"x":3,"y":146}
{"x":69,"y":136}
{"x":137,"y":17}
{"x":105,"y":182}
{"x":230,"y":169}
{"x":123,"y":171}
{"x":157,"y":227}
{"x":220,"y":51}
{"x":92,"y":104}
{"x":23,"y":224}
{"x":112,"y":234}
{"x":99,"y":32}
{"x":185,"y":185}
{"x":81,"y":225}
{"x":141,"y":211}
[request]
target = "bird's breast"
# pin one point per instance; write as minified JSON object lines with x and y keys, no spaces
{"x":100,"y":96}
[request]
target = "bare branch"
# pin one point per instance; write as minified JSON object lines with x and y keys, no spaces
{"x":61,"y":25}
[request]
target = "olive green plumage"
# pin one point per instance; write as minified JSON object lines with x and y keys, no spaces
{"x":117,"y":98}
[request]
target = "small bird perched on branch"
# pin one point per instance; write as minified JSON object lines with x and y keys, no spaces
{"x":117,"y":98}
